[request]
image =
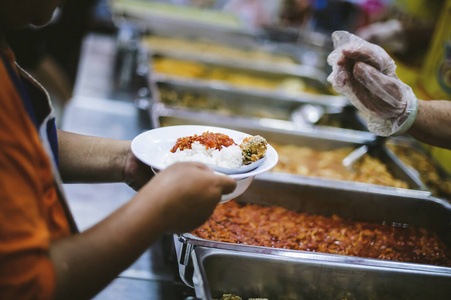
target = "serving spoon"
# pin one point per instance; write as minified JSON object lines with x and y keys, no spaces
{"x":359,"y":152}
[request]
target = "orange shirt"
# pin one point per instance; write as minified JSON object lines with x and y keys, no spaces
{"x":31,"y":215}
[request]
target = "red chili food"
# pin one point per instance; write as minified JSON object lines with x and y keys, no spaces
{"x":277,"y":227}
{"x":209,"y":139}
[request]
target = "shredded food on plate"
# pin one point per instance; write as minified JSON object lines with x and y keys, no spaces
{"x":209,"y":139}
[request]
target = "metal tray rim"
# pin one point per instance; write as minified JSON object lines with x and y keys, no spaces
{"x":352,"y":136}
{"x":188,"y":238}
{"x":323,"y":98}
{"x":330,"y":259}
{"x":336,"y":101}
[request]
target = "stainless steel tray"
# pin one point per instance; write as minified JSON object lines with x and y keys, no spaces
{"x":180,"y":94}
{"x":278,"y":273}
{"x":423,"y":166}
{"x":283,"y":132}
{"x":228,"y":29}
{"x":272,"y":54}
{"x":310,"y":76}
{"x":254,"y":275}
{"x":228,"y":32}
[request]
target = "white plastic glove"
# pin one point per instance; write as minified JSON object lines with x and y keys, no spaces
{"x":366,"y":75}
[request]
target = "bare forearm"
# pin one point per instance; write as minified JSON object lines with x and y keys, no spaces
{"x":433,"y":123}
{"x":91,"y":159}
{"x":87,"y":262}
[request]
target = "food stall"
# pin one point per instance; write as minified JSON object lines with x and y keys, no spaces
{"x":311,"y":228}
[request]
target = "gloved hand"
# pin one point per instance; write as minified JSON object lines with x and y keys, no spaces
{"x":366,"y":75}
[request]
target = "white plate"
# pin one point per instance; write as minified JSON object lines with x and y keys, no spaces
{"x":151,"y":146}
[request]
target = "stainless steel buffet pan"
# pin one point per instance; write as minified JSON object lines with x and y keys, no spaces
{"x":223,"y":28}
{"x":284,"y":133}
{"x":297,"y":81}
{"x":252,"y":271}
{"x":167,"y":19}
{"x":268,"y":53}
{"x":422,"y":165}
{"x":256,"y":275}
{"x":180,"y":94}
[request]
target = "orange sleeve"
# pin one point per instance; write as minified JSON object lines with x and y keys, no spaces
{"x":28,"y":203}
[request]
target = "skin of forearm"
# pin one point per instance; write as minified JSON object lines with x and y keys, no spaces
{"x":87,"y":262}
{"x":433,"y":123}
{"x":91,"y":159}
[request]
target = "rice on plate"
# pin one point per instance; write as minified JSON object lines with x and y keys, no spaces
{"x":228,"y":157}
{"x":218,"y":150}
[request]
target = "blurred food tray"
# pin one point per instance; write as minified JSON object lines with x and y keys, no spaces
{"x":180,"y":94}
{"x":157,"y":15}
{"x":268,"y":54}
{"x":302,"y":82}
{"x":422,"y":165}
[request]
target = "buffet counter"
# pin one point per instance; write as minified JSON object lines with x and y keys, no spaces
{"x":388,"y":199}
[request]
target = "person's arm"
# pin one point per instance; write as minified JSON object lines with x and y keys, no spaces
{"x":366,"y":75}
{"x":433,"y":123}
{"x":95,"y":159}
{"x":178,"y":199}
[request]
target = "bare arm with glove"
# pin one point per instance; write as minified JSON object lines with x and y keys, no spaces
{"x":366,"y":75}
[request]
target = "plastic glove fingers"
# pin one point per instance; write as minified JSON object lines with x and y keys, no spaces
{"x":377,"y":58}
{"x":349,"y":47}
{"x":343,"y":38}
{"x":339,"y":78}
{"x":384,"y":98}
{"x":344,"y":67}
{"x":351,"y":57}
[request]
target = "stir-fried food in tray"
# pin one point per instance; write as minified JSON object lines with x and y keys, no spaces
{"x":235,"y":297}
{"x":274,"y":226}
{"x":243,"y":79}
{"x":306,"y":161}
{"x":439,"y":184}
{"x":207,"y":48}
{"x":218,"y":104}
{"x":193,"y":100}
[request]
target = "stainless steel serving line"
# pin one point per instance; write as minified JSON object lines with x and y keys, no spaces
{"x":288,"y":102}
{"x":104,"y":106}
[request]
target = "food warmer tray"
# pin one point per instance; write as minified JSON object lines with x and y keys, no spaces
{"x":414,"y":146}
{"x":268,"y":70}
{"x":292,"y":52}
{"x":299,"y":64}
{"x":228,"y":30}
{"x":254,"y":104}
{"x":312,"y":77}
{"x":252,"y":271}
{"x":283,"y":133}
{"x":227,"y":33}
